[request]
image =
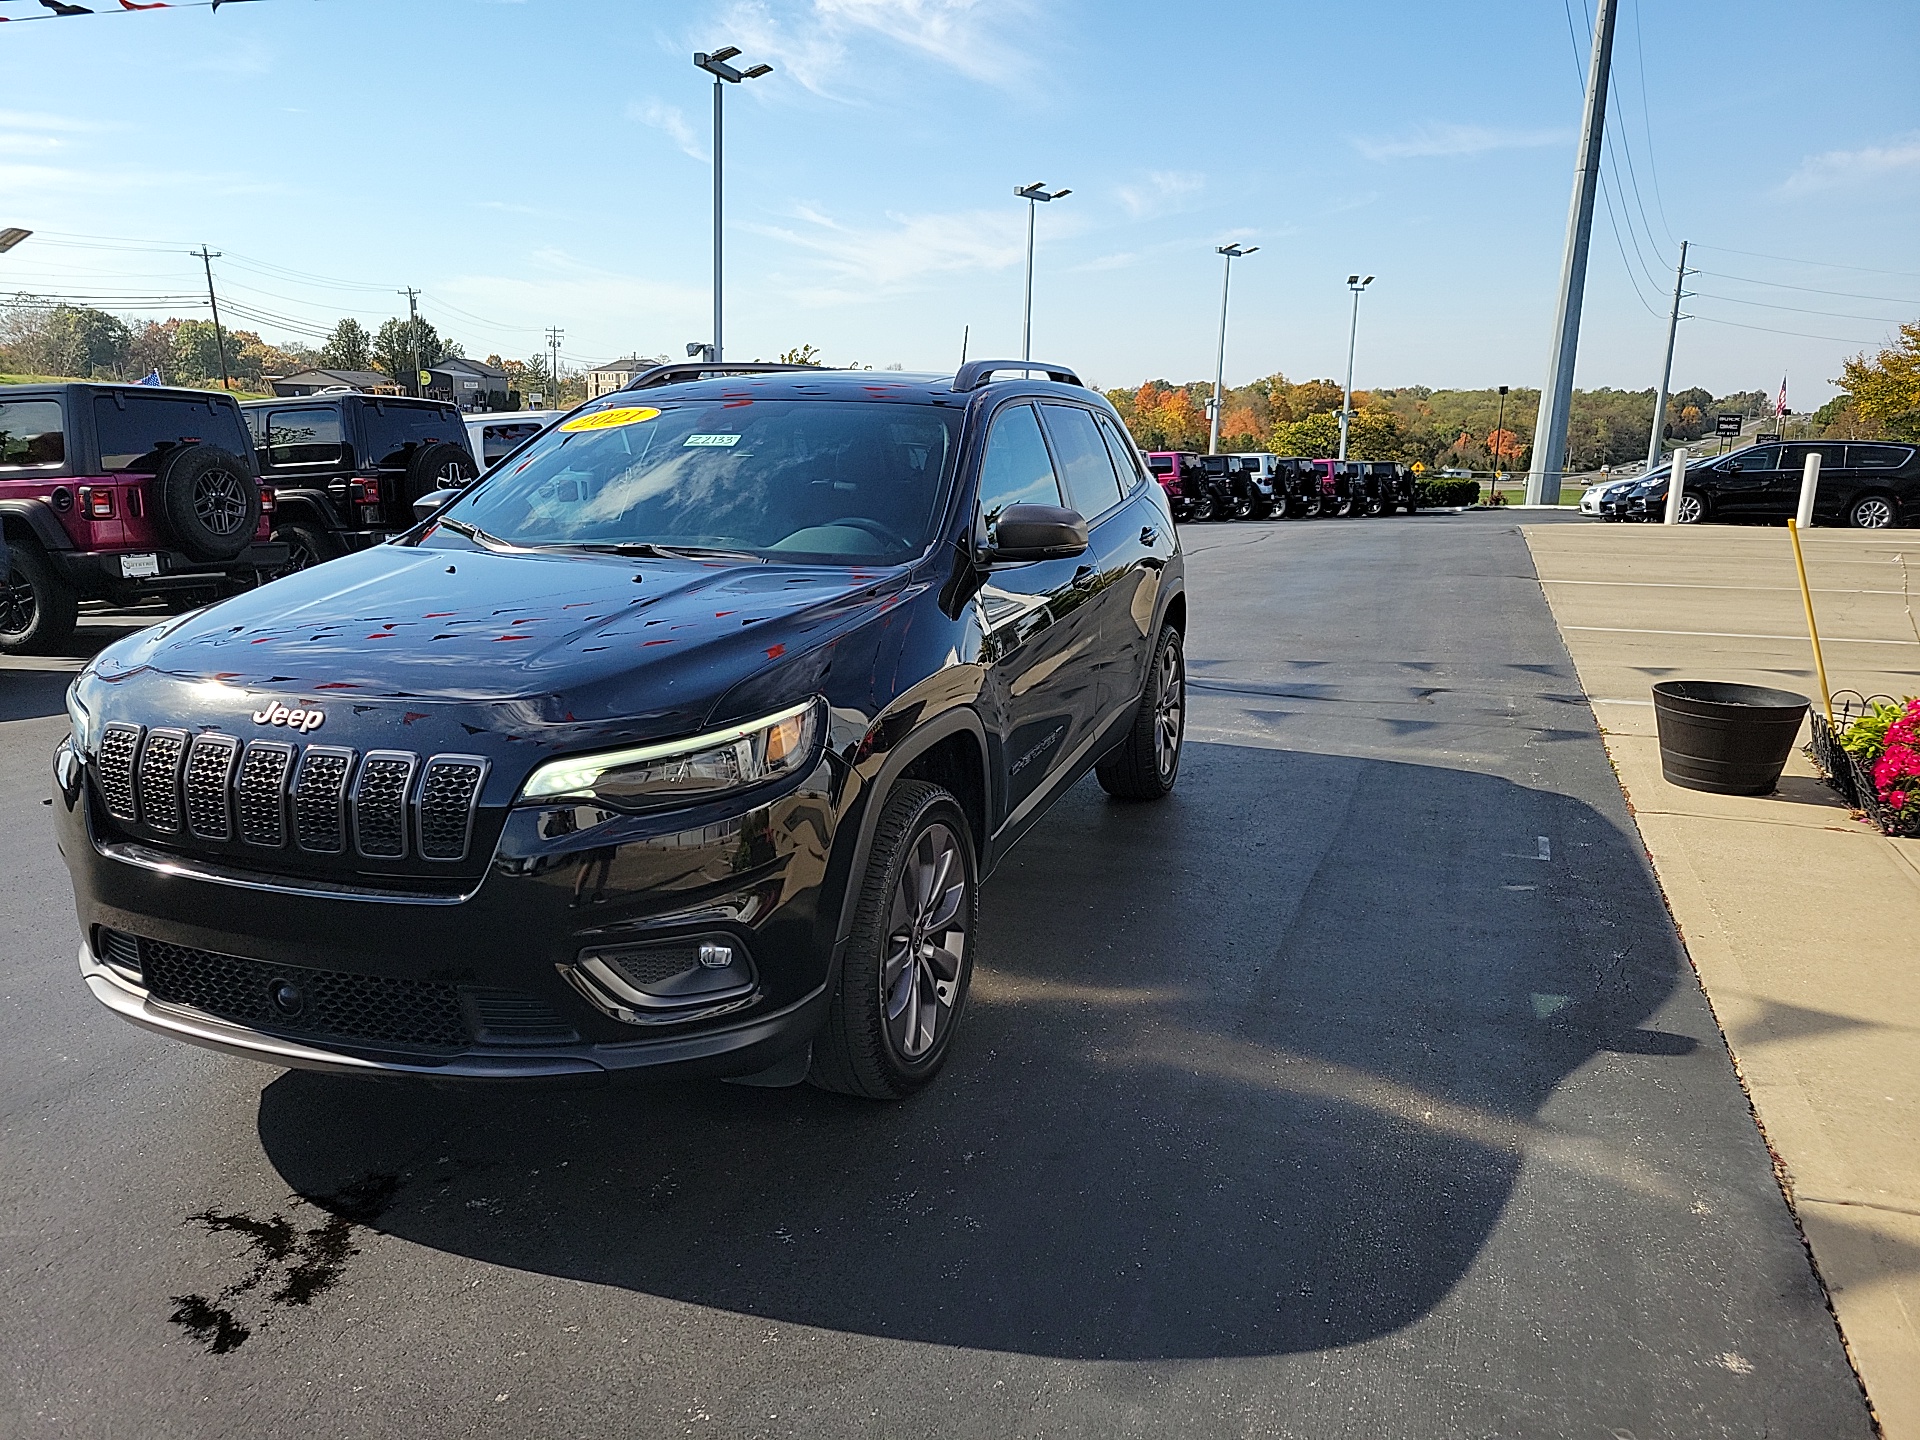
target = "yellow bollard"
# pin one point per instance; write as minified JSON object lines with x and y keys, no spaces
{"x":1813,"y":630}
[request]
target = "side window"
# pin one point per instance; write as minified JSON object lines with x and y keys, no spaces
{"x":303,"y":437}
{"x":1875,"y":457}
{"x":31,"y":436}
{"x":498,"y":439}
{"x":256,"y":425}
{"x":1092,"y":487}
{"x":1016,"y":469}
{"x":1761,"y":457}
{"x":1126,"y":459}
{"x":1794,"y":457}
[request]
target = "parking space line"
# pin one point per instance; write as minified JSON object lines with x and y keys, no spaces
{"x":1730,"y":635}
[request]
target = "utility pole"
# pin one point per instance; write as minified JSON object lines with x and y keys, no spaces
{"x":1355,"y":284}
{"x":554,"y":336}
{"x":716,"y":65}
{"x":207,"y":257}
{"x":1550,"y":429}
{"x":1232,"y":252}
{"x":413,"y":333}
{"x":1666,"y":370}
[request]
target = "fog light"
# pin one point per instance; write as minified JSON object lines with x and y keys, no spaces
{"x":645,"y":984}
{"x":716,"y":954}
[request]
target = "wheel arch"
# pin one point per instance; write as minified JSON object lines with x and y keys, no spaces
{"x":33,"y":519}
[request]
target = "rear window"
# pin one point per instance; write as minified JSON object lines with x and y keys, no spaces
{"x":135,"y":430}
{"x":394,"y":432}
{"x":1877,"y":457}
{"x":498,"y":438}
{"x":1160,"y":464}
{"x":31,"y":435}
{"x":304,"y":437}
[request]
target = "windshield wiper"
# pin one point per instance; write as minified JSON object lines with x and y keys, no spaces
{"x":647,"y":549}
{"x":475,"y":534}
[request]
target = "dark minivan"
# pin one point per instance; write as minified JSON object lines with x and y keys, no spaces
{"x":1869,"y":485}
{"x":346,"y":467}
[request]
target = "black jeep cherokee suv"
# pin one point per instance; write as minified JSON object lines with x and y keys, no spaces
{"x":684,"y":738}
{"x":346,"y":467}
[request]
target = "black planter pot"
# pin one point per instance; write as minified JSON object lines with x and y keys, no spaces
{"x":1724,"y":738}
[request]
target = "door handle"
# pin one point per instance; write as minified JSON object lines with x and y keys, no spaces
{"x":1149,"y":535}
{"x":1084,"y":577}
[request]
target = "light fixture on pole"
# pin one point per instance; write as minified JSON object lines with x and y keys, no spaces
{"x":1032,"y":194}
{"x":12,"y":236}
{"x":716,"y":65}
{"x":1356,"y":285}
{"x":1232,"y":252}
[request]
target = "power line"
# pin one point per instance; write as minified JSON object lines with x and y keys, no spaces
{"x":1769,"y":330}
{"x":1793,"y":309}
{"x":1827,"y":264}
{"x":1646,"y":120}
{"x":1810,"y":290}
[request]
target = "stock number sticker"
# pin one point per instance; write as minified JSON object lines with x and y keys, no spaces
{"x":611,"y":419}
{"x":719,"y":442}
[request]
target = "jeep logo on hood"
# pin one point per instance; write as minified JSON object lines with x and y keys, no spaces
{"x":301,"y":720}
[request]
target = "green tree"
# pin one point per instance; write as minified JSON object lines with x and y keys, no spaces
{"x":349,"y":347}
{"x":1886,"y":388}
{"x":394,"y":348}
{"x":1314,"y":436}
{"x":196,"y":354}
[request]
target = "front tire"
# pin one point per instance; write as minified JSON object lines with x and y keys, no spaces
{"x":1693,"y":509}
{"x":1147,"y":763}
{"x":38,"y":610}
{"x":903,"y":982}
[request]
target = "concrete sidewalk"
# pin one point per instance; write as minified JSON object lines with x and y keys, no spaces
{"x":1802,"y":921}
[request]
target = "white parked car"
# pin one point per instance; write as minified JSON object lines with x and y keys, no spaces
{"x":1591,"y":497}
{"x":492,"y":434}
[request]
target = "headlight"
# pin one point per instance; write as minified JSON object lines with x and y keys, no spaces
{"x":697,"y":768}
{"x":82,"y":720}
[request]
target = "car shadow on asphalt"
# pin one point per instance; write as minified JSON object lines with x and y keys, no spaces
{"x":1249,"y":1072}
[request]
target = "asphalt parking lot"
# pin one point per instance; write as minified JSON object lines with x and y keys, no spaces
{"x":1361,"y":1090}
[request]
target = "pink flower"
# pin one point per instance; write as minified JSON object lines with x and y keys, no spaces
{"x":1896,"y":798}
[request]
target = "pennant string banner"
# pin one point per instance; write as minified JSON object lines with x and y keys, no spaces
{"x":55,"y":9}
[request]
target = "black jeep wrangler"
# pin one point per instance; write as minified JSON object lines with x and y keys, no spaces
{"x":121,"y":493}
{"x":346,"y":467}
{"x":1241,"y":491}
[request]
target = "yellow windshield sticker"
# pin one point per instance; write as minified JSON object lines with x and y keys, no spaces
{"x":610,"y":419}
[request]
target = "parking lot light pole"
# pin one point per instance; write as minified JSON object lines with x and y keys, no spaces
{"x":1232,"y":252}
{"x":1356,"y":285}
{"x":1499,"y":430}
{"x":1032,"y":194}
{"x":12,"y":236}
{"x":716,"y":65}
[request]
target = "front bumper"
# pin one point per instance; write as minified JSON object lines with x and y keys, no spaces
{"x":550,"y":897}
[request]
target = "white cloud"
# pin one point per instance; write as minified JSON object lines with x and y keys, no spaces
{"x":672,"y":121}
{"x":1428,"y":140}
{"x":909,"y":250}
{"x":1157,"y":192}
{"x":1838,"y":169}
{"x":814,"y":45}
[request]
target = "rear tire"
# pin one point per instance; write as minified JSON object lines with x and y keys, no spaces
{"x":903,"y":982}
{"x":1147,"y":763}
{"x":440,"y":466}
{"x":1200,"y":509}
{"x":306,"y":547}
{"x":1872,"y":512}
{"x":38,"y":610}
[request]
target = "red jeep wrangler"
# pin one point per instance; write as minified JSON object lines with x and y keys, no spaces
{"x":120,"y":492}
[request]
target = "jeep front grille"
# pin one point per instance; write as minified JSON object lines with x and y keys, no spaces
{"x":324,"y":800}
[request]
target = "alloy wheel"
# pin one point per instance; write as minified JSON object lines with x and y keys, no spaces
{"x":451,"y":475}
{"x":220,"y":502}
{"x":926,"y":940}
{"x":1692,"y":510}
{"x":1169,"y":710}
{"x":17,"y":608}
{"x":1873,"y":513}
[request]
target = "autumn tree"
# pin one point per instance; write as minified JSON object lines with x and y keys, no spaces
{"x":1886,"y":388}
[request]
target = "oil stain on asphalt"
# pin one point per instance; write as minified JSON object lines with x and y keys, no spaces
{"x":306,"y":1262}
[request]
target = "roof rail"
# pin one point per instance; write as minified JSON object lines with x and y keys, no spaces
{"x":697,"y":369}
{"x":975,"y":373}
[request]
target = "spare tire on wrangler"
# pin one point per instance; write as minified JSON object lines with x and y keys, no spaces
{"x":439,"y":466}
{"x":208,"y":500}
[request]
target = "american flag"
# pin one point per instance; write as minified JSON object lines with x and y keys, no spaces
{"x":1780,"y":405}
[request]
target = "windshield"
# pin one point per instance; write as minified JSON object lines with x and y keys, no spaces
{"x":843,"y":482}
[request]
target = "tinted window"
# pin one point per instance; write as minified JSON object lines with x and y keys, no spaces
{"x":498,"y":439}
{"x":395,"y":431}
{"x":134,"y":430}
{"x":1016,"y":470}
{"x":1761,"y":457}
{"x":1092,"y":487}
{"x":1126,"y":459}
{"x":1794,"y":457}
{"x":838,"y":481}
{"x":1160,"y":464}
{"x":1876,"y":457}
{"x":303,"y":437}
{"x":31,"y":435}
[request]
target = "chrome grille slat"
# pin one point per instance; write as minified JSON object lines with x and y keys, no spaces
{"x":320,"y":799}
{"x":209,"y":774}
{"x":161,"y":759}
{"x":380,"y":803}
{"x":449,"y":794}
{"x":260,"y":792}
{"x":113,"y":769}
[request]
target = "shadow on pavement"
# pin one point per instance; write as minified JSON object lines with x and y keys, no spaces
{"x":1247,"y":1073}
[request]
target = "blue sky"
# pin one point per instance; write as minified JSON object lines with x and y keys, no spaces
{"x":553,"y":171}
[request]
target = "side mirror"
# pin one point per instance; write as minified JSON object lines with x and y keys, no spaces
{"x":424,"y":507}
{"x":1037,"y":532}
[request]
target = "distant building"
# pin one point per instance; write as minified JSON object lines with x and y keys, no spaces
{"x":617,"y":374}
{"x":470,"y":384}
{"x":312,"y":382}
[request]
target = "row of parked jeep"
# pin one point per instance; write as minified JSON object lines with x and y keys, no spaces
{"x":125,"y":493}
{"x":1256,"y":485}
